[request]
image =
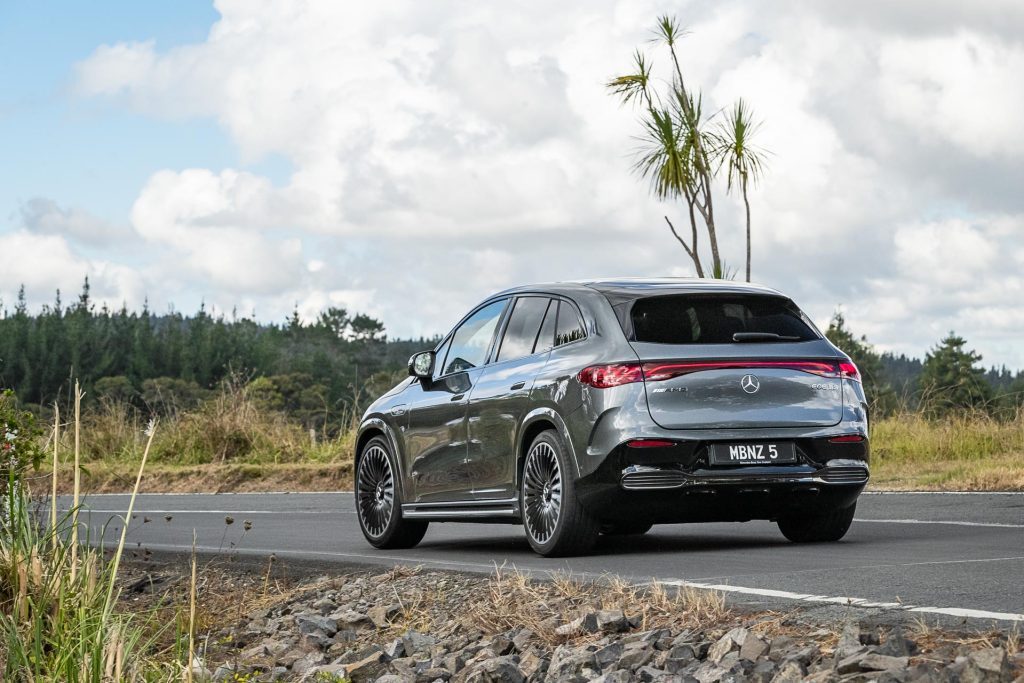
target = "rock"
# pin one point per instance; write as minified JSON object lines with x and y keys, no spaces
{"x":434,"y":673}
{"x":324,"y":605}
{"x":366,"y":669}
{"x":309,"y":661}
{"x":347,"y":618}
{"x":849,"y":641}
{"x":612,"y":621}
{"x":503,"y":669}
{"x":763,"y":671}
{"x":571,"y":665}
{"x":791,"y":671}
{"x":617,"y":676}
{"x":752,"y":648}
{"x":394,"y":649}
{"x":522,"y":639}
{"x":532,"y":665}
{"x":382,"y":615}
{"x":609,"y":654}
{"x":869,"y":661}
{"x":898,"y":645}
{"x":415,"y":642}
{"x":324,"y":672}
{"x":390,"y":678}
{"x":224,"y":672}
{"x":709,"y":672}
{"x":584,"y":624}
{"x":650,"y":673}
{"x":315,"y":624}
{"x":730,"y":642}
{"x":987,"y":665}
{"x":779,"y":647}
{"x":635,"y":655}
{"x":501,"y":645}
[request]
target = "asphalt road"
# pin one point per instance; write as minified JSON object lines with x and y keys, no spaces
{"x":957,"y":555}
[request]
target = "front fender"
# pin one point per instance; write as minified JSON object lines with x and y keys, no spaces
{"x":377,"y":424}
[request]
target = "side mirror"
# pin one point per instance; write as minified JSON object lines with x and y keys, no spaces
{"x":421,"y":364}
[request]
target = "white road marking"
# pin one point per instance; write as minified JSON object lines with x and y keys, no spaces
{"x":724,"y":588}
{"x":942,"y":493}
{"x":938,"y":521}
{"x":840,"y":600}
{"x":999,"y":525}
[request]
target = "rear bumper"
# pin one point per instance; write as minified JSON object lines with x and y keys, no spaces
{"x":635,"y":484}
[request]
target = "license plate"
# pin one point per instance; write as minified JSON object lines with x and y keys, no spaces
{"x":755,"y":453}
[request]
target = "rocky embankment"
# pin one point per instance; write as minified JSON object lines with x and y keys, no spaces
{"x":422,"y":626}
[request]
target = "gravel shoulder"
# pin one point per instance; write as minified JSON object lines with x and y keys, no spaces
{"x":276,"y":620}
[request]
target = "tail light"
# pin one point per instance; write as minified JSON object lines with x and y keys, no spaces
{"x":616,"y":374}
{"x":847,"y":438}
{"x":847,"y":370}
{"x":613,"y":375}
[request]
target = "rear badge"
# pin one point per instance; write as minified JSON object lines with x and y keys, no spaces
{"x":750,"y":384}
{"x":670,"y":390}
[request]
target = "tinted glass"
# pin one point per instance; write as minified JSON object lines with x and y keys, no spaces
{"x":473,"y":338}
{"x":688,"y":319}
{"x":546,"y":337}
{"x":570,"y":327}
{"x":522,"y":328}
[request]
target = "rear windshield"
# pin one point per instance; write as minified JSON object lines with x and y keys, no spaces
{"x":704,"y":319}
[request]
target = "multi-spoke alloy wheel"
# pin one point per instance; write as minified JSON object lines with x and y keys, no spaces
{"x":379,"y":499}
{"x":375,"y":491}
{"x":542,"y":492}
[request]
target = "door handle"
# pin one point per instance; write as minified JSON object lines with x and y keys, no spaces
{"x":457,"y":397}
{"x":518,"y":385}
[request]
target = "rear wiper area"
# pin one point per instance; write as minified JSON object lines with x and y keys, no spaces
{"x":761,"y":337}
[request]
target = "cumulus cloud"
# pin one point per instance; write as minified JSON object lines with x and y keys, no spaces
{"x":444,"y":150}
{"x":45,"y":216}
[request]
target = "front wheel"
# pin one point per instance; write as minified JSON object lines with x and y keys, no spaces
{"x":556,"y":524}
{"x":378,"y":505}
{"x":823,"y":528}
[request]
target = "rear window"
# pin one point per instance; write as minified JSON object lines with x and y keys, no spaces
{"x":690,"y":319}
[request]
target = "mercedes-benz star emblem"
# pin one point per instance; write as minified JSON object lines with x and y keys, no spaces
{"x":750,"y":384}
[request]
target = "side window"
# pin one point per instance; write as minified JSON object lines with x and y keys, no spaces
{"x":471,"y":341}
{"x":523,"y":324}
{"x":546,"y":336}
{"x":570,"y":327}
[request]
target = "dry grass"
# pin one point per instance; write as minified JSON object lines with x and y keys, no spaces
{"x":514,"y":599}
{"x":970,"y":451}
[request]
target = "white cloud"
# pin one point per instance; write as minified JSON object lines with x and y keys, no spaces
{"x":444,"y":150}
{"x":45,"y":216}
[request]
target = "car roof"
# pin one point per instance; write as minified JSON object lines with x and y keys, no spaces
{"x":631,"y":288}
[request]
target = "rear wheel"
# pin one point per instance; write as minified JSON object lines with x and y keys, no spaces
{"x":378,"y":505}
{"x":625,"y":528}
{"x":556,"y":524}
{"x":823,"y":528}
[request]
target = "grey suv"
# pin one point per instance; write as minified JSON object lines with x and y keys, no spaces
{"x":604,"y":407}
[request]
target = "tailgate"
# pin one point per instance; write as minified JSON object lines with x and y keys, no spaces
{"x":745,"y":386}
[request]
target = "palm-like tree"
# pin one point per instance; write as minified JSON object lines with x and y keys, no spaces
{"x":744,"y":161}
{"x":680,"y":151}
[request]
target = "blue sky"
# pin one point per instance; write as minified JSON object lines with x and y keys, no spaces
{"x":408,"y":159}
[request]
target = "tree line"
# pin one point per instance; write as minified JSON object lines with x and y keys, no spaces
{"x":169,"y":361}
{"x":949,"y":379}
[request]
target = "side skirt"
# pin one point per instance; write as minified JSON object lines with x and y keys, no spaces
{"x":464,"y":510}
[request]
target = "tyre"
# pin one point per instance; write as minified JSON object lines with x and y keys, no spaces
{"x":823,"y":528}
{"x":556,"y":524}
{"x":378,"y":504}
{"x":625,"y":528}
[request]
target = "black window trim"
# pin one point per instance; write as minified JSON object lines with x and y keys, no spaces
{"x":502,"y":320}
{"x":507,"y":318}
{"x":579,"y":317}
